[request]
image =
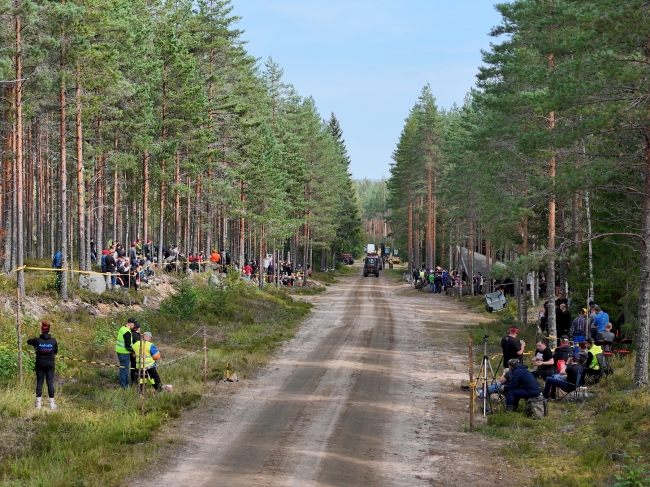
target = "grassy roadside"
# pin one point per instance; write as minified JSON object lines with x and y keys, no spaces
{"x":97,"y":437}
{"x":603,"y":441}
{"x":328,"y":278}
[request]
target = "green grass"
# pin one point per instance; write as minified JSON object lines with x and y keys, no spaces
{"x":98,"y":437}
{"x":328,"y":278}
{"x":577,"y":445}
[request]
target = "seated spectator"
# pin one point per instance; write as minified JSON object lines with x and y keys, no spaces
{"x":503,"y":380}
{"x":606,"y":335}
{"x":543,"y":360}
{"x":592,"y":366}
{"x":563,"y":352}
{"x":566,"y":379}
{"x":522,"y":385}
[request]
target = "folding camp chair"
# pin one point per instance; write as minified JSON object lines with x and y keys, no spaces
{"x":622,"y":347}
{"x":579,"y":390}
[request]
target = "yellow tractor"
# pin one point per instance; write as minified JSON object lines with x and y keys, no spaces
{"x":394,"y":259}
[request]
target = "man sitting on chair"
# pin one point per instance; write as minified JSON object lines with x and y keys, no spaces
{"x":523,"y":385}
{"x":567,"y":378}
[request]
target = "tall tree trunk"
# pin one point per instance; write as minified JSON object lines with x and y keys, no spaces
{"x":430,"y":262}
{"x":40,"y":227}
{"x":145,"y":197}
{"x":81,"y":203}
{"x":241,"y":227}
{"x":643,"y":330}
{"x":63,"y":172}
{"x":19,"y":160}
{"x":550,"y":274}
{"x":410,"y":235}
{"x":177,"y":200}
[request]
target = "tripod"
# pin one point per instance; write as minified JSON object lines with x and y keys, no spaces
{"x":483,"y":376}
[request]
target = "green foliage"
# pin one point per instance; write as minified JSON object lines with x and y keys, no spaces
{"x":181,"y":304}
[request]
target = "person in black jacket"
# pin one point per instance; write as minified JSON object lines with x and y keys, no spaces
{"x":135,"y":337}
{"x":46,"y":348}
{"x":523,"y":385}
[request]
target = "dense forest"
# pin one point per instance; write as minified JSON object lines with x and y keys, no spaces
{"x":127,"y":119}
{"x":546,"y":165}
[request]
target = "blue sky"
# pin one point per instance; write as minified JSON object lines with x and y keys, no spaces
{"x":367,"y":61}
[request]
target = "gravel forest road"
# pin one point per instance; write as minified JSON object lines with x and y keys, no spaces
{"x":366,"y":394}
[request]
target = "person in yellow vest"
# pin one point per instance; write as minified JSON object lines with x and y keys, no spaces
{"x":124,"y":350}
{"x":147,"y":358}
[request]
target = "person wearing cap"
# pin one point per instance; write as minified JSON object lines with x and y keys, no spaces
{"x":566,"y":380}
{"x":46,"y":348}
{"x":145,"y":358}
{"x":135,"y":338}
{"x":578,"y":331}
{"x":124,"y":349}
{"x":523,"y":385}
{"x":512,"y":347}
{"x":563,"y":320}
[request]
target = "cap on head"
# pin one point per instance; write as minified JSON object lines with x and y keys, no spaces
{"x":514,"y":329}
{"x":133,"y":244}
{"x":589,"y":341}
{"x":45,"y":327}
{"x":513,"y":362}
{"x":564,"y":338}
{"x":583,"y":310}
{"x":148,"y":334}
{"x":576,"y":356}
{"x":134,"y":321}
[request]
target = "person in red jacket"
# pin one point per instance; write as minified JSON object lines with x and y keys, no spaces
{"x":46,"y":348}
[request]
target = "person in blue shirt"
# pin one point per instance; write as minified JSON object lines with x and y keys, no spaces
{"x":57,"y":263}
{"x":600,"y":321}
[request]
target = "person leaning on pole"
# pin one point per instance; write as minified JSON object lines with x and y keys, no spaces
{"x":46,"y":348}
{"x":146,"y":358}
{"x":124,"y":349}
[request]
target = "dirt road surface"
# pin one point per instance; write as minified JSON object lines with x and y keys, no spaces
{"x":366,"y":394}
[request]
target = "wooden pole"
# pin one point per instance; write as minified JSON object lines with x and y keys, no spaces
{"x":142,"y":383}
{"x":205,"y":356}
{"x":19,"y":332}
{"x":471,"y":384}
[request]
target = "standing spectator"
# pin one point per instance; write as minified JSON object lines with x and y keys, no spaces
{"x":57,"y":263}
{"x":437,"y":281}
{"x":512,"y":347}
{"x":600,"y":321}
{"x":111,"y":267}
{"x":147,"y":251}
{"x":578,"y":331}
{"x":124,"y":349}
{"x":133,"y":255}
{"x":563,"y":320}
{"x":146,"y":358}
{"x":46,"y":348}
{"x":93,"y":250}
{"x":432,"y":284}
{"x":522,"y":385}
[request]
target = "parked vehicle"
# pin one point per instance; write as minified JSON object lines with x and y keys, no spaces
{"x":371,"y":265}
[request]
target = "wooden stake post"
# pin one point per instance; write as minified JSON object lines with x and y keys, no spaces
{"x":472,"y":387}
{"x":19,"y":332}
{"x":142,"y":383}
{"x":205,"y":357}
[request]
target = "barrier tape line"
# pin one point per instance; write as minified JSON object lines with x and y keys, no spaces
{"x":63,"y":357}
{"x":182,"y":341}
{"x":184,"y":356}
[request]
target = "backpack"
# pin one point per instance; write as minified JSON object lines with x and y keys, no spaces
{"x":537,"y":407}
